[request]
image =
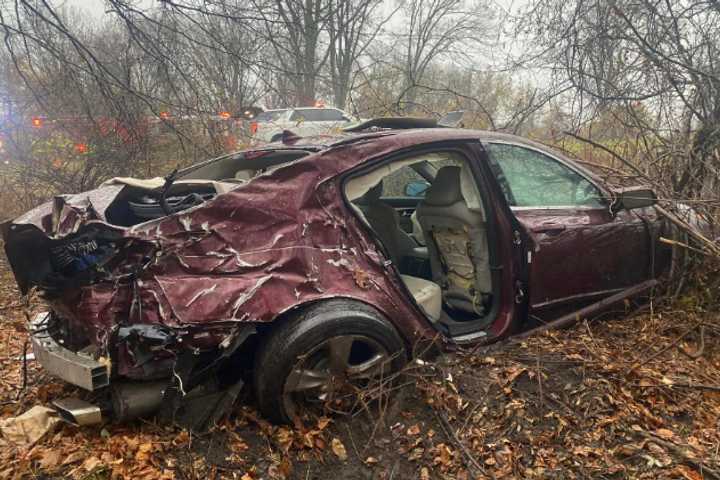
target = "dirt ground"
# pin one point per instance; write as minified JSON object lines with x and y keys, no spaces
{"x":632,"y":397}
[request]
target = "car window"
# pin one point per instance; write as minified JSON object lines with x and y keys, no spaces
{"x":531,"y":179}
{"x":270,"y":116}
{"x":316,"y":115}
{"x":396,"y":184}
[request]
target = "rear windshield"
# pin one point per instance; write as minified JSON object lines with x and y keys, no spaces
{"x":270,"y":116}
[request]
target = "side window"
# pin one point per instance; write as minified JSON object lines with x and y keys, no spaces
{"x":332,"y":115}
{"x":306,"y":115}
{"x":404,"y":182}
{"x":530,"y":179}
{"x":317,"y":115}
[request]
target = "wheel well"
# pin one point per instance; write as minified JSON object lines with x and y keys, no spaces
{"x":297,"y":312}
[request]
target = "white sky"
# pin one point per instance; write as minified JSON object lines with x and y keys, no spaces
{"x":97,"y":7}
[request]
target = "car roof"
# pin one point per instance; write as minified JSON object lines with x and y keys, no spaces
{"x":386,"y":140}
{"x":419,"y":135}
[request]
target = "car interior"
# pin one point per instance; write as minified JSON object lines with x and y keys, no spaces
{"x":428,"y":214}
{"x":140,"y":200}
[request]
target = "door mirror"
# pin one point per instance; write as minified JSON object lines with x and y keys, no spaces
{"x":634,"y":197}
{"x":416,"y":189}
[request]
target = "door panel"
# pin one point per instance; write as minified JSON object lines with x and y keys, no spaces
{"x":582,"y":255}
{"x":582,"y":251}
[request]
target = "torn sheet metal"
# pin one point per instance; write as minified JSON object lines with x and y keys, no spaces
{"x":284,"y":239}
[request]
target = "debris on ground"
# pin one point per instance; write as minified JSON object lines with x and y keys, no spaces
{"x":615,"y":397}
{"x":31,"y":426}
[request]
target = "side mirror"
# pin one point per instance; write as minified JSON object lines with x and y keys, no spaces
{"x":634,"y":197}
{"x":416,"y":189}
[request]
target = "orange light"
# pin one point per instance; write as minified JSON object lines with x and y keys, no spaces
{"x":253,"y":128}
{"x":319,"y":104}
{"x":164,"y":115}
{"x":37,"y":122}
{"x":81,"y":148}
{"x":225,"y":115}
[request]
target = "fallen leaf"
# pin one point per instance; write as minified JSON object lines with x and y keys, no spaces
{"x":664,"y":433}
{"x":338,"y":449}
{"x":144,"y":452}
{"x":91,"y":463}
{"x":50,"y":460}
{"x":73,"y":457}
{"x":687,"y":473}
{"x":322,"y":423}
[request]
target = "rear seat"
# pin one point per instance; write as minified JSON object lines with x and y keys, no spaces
{"x":427,"y":294}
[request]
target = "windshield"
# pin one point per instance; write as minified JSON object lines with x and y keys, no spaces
{"x":270,"y":116}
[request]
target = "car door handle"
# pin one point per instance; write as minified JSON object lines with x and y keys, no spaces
{"x":549,"y":228}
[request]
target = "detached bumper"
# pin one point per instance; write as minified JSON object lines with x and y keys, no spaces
{"x":75,"y":368}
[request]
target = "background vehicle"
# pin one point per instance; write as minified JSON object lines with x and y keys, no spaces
{"x":303,"y":254}
{"x":303,"y":121}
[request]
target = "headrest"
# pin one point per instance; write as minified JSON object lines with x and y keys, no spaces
{"x":445,"y":189}
{"x":374,"y":194}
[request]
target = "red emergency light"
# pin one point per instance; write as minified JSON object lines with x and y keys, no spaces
{"x":37,"y":122}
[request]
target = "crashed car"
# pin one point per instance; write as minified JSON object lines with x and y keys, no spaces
{"x":316,"y":263}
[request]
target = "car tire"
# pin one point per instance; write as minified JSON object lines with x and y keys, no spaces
{"x":306,"y":337}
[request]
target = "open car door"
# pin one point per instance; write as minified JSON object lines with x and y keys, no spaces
{"x":583,"y":251}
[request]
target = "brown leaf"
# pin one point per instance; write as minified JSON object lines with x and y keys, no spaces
{"x":50,"y":460}
{"x":338,"y":449}
{"x":91,"y":463}
{"x":687,"y":473}
{"x":73,"y":458}
{"x":322,"y":423}
{"x":144,"y":452}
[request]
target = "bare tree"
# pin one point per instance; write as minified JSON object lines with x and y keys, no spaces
{"x":351,"y":32}
{"x":294,"y":29}
{"x":435,"y":29}
{"x":661,"y":55}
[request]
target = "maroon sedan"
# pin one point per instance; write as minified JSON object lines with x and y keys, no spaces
{"x":314,"y":263}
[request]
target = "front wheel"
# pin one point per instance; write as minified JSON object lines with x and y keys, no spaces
{"x":320,"y":359}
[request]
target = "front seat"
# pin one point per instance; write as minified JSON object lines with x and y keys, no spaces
{"x":456,"y":238}
{"x":386,"y":222}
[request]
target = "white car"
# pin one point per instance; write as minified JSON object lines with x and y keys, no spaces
{"x":306,"y":121}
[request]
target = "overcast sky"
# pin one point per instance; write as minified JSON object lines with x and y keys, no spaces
{"x":97,"y":7}
{"x":505,"y":44}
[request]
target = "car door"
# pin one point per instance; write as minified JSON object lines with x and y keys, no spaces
{"x":582,"y":250}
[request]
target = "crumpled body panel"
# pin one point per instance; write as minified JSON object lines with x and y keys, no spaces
{"x":282,"y":240}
